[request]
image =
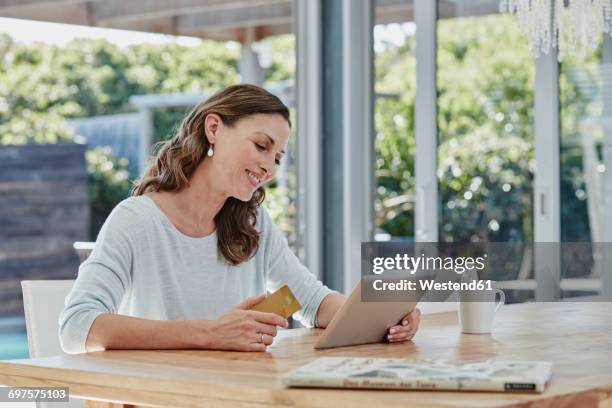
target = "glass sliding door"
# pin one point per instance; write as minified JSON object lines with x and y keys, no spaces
{"x":395,"y":89}
{"x":485,"y":133}
{"x":586,"y":177}
{"x":276,"y":54}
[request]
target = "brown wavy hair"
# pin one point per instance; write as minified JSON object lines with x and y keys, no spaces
{"x":177,"y":159}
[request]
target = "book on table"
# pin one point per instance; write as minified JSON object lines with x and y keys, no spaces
{"x":429,"y":374}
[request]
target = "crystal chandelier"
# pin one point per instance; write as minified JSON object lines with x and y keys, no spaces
{"x":570,"y":26}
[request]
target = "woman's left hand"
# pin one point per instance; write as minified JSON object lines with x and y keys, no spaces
{"x":406,"y":329}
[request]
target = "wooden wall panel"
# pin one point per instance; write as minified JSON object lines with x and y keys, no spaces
{"x":44,"y":208}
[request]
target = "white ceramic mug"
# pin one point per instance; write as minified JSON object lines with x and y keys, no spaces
{"x":476,"y":317}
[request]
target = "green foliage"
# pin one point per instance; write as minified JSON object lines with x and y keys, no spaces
{"x":581,"y":93}
{"x":282,"y":66}
{"x":485,"y":183}
{"x":95,"y":77}
{"x":485,"y":120}
{"x":281,"y":207}
{"x":109,"y":183}
{"x":280,"y":199}
{"x":394,"y":141}
{"x":485,"y":133}
{"x":485,"y":116}
{"x":166,"y":122}
{"x":42,"y":85}
{"x":35,"y":127}
{"x":394,"y":166}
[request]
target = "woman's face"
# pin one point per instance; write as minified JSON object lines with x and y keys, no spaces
{"x":246,"y":154}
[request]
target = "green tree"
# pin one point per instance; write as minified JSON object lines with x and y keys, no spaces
{"x":485,"y":104}
{"x":394,"y":141}
{"x":95,"y":77}
{"x":108,"y":184}
{"x":485,"y":120}
{"x":42,"y":85}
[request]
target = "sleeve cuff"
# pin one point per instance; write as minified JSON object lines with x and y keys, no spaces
{"x":73,"y":336}
{"x":316,"y":303}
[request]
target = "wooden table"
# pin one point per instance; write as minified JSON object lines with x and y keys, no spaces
{"x":576,"y":337}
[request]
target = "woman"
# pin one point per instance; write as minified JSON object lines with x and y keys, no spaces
{"x":177,"y":265}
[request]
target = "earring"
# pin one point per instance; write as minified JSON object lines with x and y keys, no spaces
{"x":210,"y":151}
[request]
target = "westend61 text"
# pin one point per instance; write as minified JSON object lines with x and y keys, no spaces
{"x":429,"y":285}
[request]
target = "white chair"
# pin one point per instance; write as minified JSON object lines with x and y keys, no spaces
{"x":83,"y":249}
{"x":43,"y":301}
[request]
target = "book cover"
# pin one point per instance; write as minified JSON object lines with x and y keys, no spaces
{"x":431,"y":374}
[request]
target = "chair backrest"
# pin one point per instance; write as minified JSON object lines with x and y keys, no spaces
{"x":83,"y":249}
{"x":43,"y":301}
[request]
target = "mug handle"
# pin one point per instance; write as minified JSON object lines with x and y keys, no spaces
{"x":502,"y":299}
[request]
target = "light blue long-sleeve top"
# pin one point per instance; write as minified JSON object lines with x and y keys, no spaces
{"x":143,"y":266}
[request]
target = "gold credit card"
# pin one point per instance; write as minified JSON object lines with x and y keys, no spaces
{"x":282,"y":302}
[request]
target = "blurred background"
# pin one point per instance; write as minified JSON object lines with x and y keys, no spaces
{"x":87,"y":88}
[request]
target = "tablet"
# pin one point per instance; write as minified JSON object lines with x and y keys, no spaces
{"x":359,"y":322}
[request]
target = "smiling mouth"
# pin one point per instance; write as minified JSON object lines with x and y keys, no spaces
{"x":253,"y":178}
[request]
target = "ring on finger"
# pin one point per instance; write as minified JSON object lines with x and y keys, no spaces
{"x":261,"y":338}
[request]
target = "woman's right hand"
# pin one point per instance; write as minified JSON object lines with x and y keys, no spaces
{"x":242,"y":329}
